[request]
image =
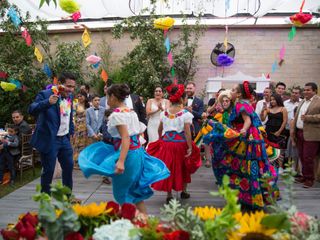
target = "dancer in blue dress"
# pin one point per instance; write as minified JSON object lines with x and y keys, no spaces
{"x":131,"y":168}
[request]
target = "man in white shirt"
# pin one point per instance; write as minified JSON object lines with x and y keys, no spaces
{"x":264,"y":103}
{"x":292,"y":103}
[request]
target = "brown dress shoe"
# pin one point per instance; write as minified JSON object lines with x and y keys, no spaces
{"x":308,"y":184}
{"x":299,"y":180}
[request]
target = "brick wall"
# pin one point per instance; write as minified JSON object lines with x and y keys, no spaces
{"x":256,"y":50}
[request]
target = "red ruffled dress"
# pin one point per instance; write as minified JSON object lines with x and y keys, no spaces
{"x":172,"y":148}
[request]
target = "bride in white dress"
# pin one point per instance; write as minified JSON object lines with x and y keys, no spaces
{"x":154,"y":107}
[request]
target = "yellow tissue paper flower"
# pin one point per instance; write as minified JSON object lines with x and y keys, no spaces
{"x":163,"y":23}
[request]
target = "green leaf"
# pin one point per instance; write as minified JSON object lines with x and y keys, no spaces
{"x":41,"y":3}
{"x":278,"y":221}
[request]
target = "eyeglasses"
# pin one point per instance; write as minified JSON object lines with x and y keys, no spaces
{"x":157,"y":91}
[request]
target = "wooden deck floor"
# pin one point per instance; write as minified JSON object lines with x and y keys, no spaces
{"x":93,"y":190}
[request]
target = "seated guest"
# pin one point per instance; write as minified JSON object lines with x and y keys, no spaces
{"x":94,"y":118}
{"x":23,"y":126}
{"x":9,"y":150}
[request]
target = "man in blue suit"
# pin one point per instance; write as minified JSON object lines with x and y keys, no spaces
{"x":53,"y":110}
{"x":194,"y":106}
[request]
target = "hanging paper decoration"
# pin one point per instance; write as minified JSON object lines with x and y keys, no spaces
{"x":274,"y":66}
{"x":292,"y":33}
{"x":25,"y":34}
{"x":3,"y":75}
{"x":224,"y":60}
{"x":282,"y":52}
{"x":167,"y":44}
{"x":170,"y":60}
{"x":47,"y":70}
{"x":163,"y":23}
{"x":86,"y":40}
{"x":7,"y":87}
{"x":38,"y":54}
{"x":172,"y":72}
{"x":15,"y":19}
{"x":299,"y":19}
{"x":69,"y":6}
{"x":16,"y":82}
{"x":76,"y":16}
{"x":93,"y":59}
{"x":104,"y":75}
{"x":96,"y":65}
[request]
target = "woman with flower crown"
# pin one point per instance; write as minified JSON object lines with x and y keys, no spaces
{"x":175,"y":147}
{"x":245,"y":159}
{"x":131,"y":168}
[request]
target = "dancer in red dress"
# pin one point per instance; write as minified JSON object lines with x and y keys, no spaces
{"x":175,"y":147}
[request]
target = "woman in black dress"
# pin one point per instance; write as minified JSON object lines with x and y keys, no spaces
{"x":277,"y":120}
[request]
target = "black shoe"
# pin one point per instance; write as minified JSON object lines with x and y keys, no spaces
{"x":184,"y":195}
{"x":168,"y":199}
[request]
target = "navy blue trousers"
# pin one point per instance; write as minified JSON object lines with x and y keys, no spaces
{"x":6,"y":155}
{"x":62,"y":150}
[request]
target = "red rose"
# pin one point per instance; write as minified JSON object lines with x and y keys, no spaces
{"x":74,"y":236}
{"x":244,"y":184}
{"x":9,"y":234}
{"x":128,"y":211}
{"x":177,"y":235}
{"x":33,"y":220}
{"x":28,"y":231}
{"x":114,"y":206}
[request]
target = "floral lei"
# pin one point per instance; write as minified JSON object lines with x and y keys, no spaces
{"x":173,"y":116}
{"x":123,"y":109}
{"x":65,"y":105}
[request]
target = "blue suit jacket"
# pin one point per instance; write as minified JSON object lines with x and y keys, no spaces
{"x":197,"y":110}
{"x":48,"y":121}
{"x":94,"y":124}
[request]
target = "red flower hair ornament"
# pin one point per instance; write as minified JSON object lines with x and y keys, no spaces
{"x":175,"y":97}
{"x":247,"y":89}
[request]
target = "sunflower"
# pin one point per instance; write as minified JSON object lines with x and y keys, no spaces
{"x":250,"y":227}
{"x":90,"y":210}
{"x":206,"y":213}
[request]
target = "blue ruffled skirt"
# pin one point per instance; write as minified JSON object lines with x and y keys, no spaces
{"x":141,"y":170}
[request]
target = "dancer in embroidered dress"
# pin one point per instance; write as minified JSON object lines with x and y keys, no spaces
{"x":175,"y":147}
{"x":245,"y":158}
{"x":131,"y":168}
